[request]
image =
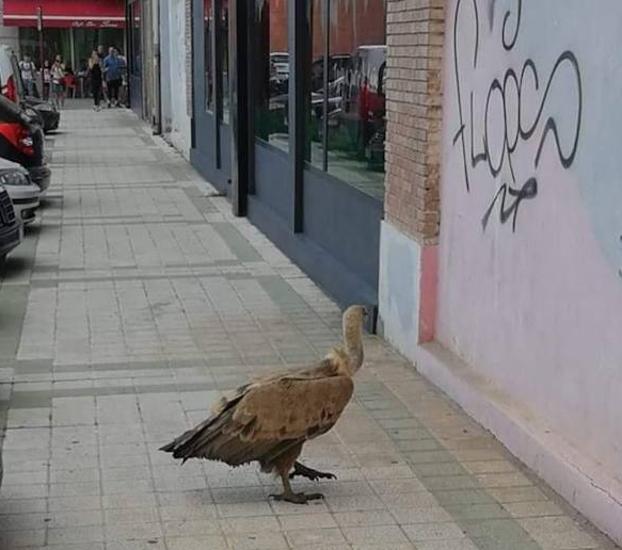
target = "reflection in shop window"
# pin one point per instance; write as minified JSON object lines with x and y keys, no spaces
{"x":271,"y":72}
{"x":208,"y":16}
{"x":346,"y":116}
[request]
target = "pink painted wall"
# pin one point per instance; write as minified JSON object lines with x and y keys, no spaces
{"x":536,"y":307}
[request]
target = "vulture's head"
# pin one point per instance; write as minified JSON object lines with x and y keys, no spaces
{"x":354,"y":317}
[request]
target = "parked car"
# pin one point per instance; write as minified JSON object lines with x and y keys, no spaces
{"x":358,"y":124}
{"x":22,"y":141}
{"x":280,"y":62}
{"x":50,"y":116}
{"x":338,"y":67}
{"x":23,"y":192}
{"x":12,"y":87}
{"x":11,"y":228}
{"x":369,"y":80}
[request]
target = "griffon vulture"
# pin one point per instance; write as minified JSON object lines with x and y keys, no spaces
{"x":269,"y":419}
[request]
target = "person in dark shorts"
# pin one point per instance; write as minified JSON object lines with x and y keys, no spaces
{"x":114,"y":67}
{"x":96,"y":78}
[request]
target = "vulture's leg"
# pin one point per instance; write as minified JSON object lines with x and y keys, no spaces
{"x":309,"y":473}
{"x":282,"y":465}
{"x":296,"y":498}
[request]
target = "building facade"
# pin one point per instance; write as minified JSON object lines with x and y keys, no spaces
{"x":442,"y":161}
{"x":68,"y":28}
{"x":303,"y":153}
{"x":501,"y":251}
{"x":143,"y":24}
{"x":280,"y":105}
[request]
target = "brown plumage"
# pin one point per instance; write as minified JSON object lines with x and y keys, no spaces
{"x":269,"y":419}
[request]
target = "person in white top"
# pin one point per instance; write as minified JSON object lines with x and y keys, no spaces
{"x":47,"y":79}
{"x":28,"y":70}
{"x":58,"y":82}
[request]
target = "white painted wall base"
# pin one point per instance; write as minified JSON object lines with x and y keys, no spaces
{"x":576,"y":478}
{"x":179,"y":141}
{"x":176,"y":123}
{"x":398,"y":293}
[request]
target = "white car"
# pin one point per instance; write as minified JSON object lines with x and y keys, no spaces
{"x":23,"y":192}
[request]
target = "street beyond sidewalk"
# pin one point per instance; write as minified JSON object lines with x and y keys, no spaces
{"x":134,"y":302}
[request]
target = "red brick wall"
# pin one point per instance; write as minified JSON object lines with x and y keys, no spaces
{"x":278,"y":25}
{"x":415,"y":34}
{"x":353,"y":23}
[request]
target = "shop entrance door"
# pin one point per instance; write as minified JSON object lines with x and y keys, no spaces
{"x":211,"y":149}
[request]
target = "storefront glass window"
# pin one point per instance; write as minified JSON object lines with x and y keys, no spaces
{"x":136,"y":39}
{"x":207,"y":28}
{"x":224,"y":41}
{"x":271,"y":72}
{"x":346,"y":126}
{"x":55,"y":42}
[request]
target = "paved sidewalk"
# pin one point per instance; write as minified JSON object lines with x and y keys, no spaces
{"x":132,"y":304}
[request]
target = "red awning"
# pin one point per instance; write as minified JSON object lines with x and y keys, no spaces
{"x":89,"y":14}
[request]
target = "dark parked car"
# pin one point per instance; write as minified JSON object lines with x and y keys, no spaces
{"x":50,"y":117}
{"x":338,"y":66}
{"x":11,"y":229}
{"x":22,"y":141}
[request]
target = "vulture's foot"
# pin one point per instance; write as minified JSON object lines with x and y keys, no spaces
{"x":309,"y":473}
{"x":297,"y":498}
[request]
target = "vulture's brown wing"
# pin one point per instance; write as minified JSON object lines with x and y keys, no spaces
{"x":291,"y":408}
{"x":260,"y":420}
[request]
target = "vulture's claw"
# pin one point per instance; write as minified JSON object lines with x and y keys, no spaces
{"x":309,"y":473}
{"x":297,"y":498}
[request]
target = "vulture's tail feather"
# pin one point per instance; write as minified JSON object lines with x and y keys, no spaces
{"x":194,"y":442}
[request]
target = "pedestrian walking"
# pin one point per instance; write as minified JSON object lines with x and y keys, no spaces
{"x":96,"y":79}
{"x":114,"y":67}
{"x":58,"y":82}
{"x":47,"y":79}
{"x":101,"y":53}
{"x":28,"y":70}
{"x":70,"y":83}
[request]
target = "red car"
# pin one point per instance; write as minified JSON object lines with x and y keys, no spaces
{"x":22,"y":141}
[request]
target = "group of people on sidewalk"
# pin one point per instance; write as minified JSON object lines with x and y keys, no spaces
{"x":106,"y":76}
{"x":57,"y":79}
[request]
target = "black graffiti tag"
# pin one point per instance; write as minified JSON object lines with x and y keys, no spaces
{"x":520,"y":130}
